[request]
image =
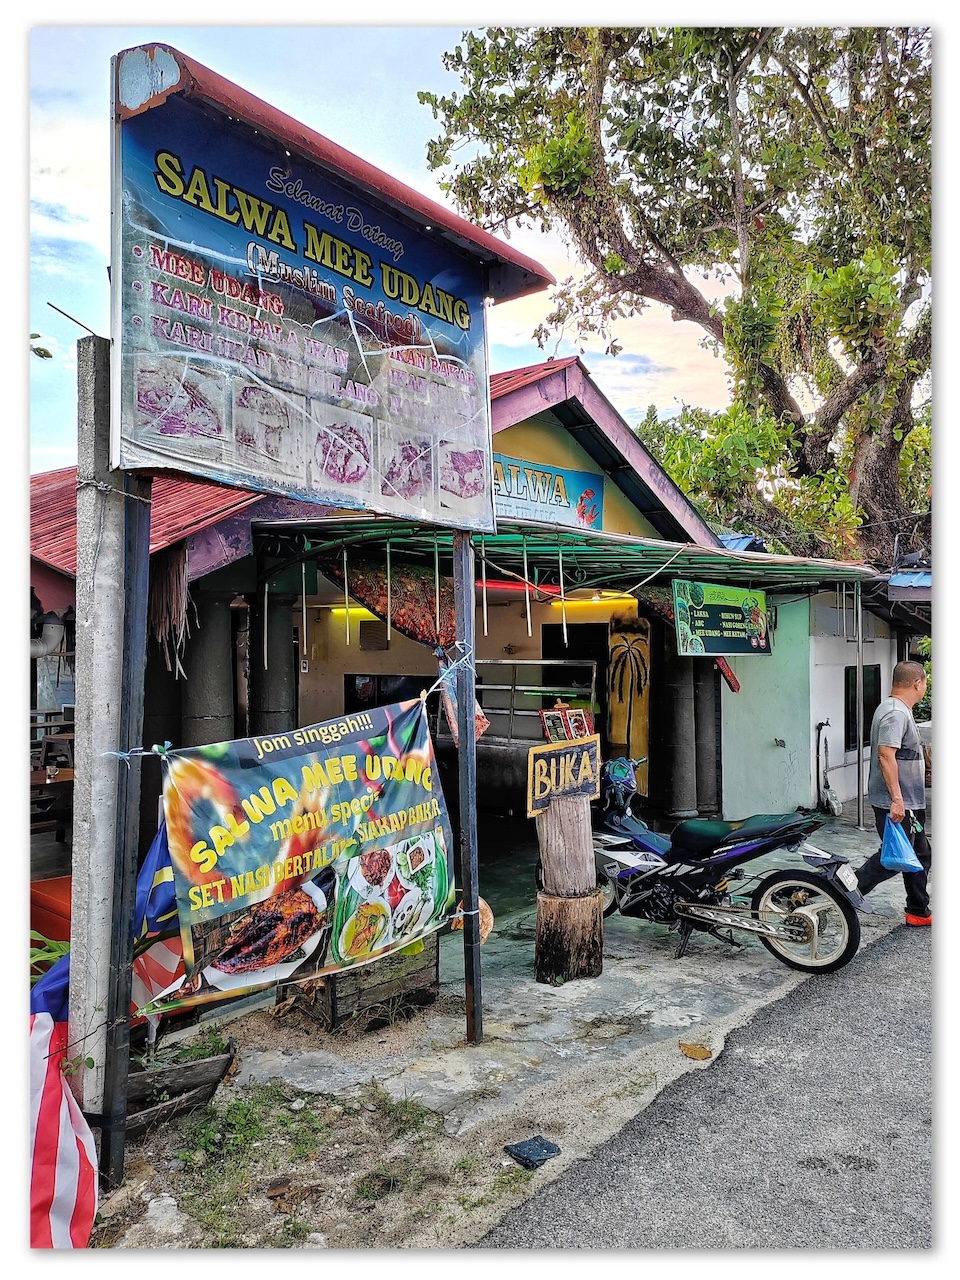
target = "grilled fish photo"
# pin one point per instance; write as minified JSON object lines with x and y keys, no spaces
{"x":270,"y":932}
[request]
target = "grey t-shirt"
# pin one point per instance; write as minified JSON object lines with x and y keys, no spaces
{"x":894,"y":726}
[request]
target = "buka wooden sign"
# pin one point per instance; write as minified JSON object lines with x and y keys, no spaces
{"x":562,"y":769}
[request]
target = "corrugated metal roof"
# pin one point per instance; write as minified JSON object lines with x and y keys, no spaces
{"x":741,"y":542}
{"x":514,"y":379}
{"x":180,"y":506}
{"x":601,"y":560}
{"x":912,"y":578}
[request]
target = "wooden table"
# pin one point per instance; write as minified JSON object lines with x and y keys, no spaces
{"x":51,"y":801}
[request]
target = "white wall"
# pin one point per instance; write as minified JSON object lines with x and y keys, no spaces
{"x":829,"y":656}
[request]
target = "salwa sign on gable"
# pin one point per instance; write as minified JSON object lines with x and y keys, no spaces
{"x":280,"y":330}
{"x":550,"y":495}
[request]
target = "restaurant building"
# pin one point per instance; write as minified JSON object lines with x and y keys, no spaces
{"x":268,"y":612}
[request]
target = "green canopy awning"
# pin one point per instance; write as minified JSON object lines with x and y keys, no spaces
{"x":589,"y":560}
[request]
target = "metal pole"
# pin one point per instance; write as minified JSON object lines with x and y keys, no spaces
{"x":858,"y":620}
{"x":133,"y":668}
{"x":465,"y":600}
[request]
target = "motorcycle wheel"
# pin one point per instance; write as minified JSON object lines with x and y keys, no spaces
{"x":609,"y":897}
{"x":836,"y":936}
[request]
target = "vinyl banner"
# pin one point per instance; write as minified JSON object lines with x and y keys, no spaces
{"x":279,"y":332}
{"x":306,"y":852}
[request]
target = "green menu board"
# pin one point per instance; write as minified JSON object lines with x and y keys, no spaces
{"x":712,"y":620}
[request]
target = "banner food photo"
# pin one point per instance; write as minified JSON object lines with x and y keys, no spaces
{"x":306,"y":852}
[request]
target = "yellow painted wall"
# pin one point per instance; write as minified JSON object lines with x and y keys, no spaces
{"x":330,"y":658}
{"x":543,"y":439}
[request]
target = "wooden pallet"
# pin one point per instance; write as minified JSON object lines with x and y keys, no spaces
{"x":371,"y":995}
{"x":159,"y":1094}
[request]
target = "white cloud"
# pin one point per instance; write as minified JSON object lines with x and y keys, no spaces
{"x":70,"y":178}
{"x":683,"y":371}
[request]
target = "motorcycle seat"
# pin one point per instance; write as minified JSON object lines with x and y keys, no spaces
{"x":699,"y":834}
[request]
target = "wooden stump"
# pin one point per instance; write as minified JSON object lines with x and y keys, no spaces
{"x":569,"y":938}
{"x":566,"y":847}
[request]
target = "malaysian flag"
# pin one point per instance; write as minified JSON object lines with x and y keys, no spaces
{"x":63,"y":1157}
{"x":158,"y":950}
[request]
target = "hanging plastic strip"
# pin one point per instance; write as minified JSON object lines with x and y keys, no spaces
{"x":563,"y":598}
{"x":266,"y":593}
{"x":389,"y":604}
{"x":346,"y":596}
{"x":483,"y":580}
{"x":436,"y":580}
{"x":526,"y":588}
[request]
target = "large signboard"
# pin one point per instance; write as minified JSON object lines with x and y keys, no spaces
{"x":551,"y":495}
{"x":305,"y":852}
{"x":278,"y":332}
{"x":719,"y":620}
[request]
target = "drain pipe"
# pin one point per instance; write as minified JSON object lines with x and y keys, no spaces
{"x":51,"y":639}
{"x":858,"y":617}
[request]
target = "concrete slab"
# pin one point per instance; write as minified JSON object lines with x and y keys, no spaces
{"x":619,"y":1031}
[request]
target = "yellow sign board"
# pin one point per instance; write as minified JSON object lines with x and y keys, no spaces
{"x":562,"y":769}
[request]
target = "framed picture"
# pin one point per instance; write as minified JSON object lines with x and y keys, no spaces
{"x":579,"y":723}
{"x":554,"y":728}
{"x":564,"y":724}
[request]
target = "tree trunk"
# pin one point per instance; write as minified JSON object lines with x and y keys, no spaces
{"x":569,"y":939}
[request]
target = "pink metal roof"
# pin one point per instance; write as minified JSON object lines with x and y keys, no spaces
{"x":565,"y":387}
{"x":180,"y":507}
{"x":511,"y":274}
{"x":513,"y":379}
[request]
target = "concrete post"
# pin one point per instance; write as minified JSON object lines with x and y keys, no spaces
{"x":705,"y":716}
{"x":207,"y":691}
{"x":113,"y":534}
{"x":682,"y":743}
{"x":272,"y":691}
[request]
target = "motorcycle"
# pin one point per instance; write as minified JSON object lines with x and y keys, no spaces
{"x":806,"y":919}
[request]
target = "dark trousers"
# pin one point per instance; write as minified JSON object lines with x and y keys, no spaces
{"x":872,"y":872}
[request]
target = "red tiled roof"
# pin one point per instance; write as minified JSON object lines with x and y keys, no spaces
{"x":180,"y":506}
{"x":514,"y":379}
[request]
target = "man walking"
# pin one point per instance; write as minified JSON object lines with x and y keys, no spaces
{"x":896,"y":786}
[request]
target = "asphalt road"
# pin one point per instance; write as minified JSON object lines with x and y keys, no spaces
{"x":811,"y":1130}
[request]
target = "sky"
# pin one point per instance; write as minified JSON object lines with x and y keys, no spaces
{"x":357,"y":86}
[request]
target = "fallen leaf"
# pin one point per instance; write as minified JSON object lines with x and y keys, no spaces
{"x":698,"y":1051}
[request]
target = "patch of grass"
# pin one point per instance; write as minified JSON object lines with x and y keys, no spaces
{"x":208,"y":1043}
{"x":466,"y":1164}
{"x":505,"y":1182}
{"x":292,"y":1232}
{"x":304,"y":1129}
{"x":402,"y":1116}
{"x":389,"y":1176}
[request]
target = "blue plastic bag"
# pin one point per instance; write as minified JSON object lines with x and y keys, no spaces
{"x":896,"y":852}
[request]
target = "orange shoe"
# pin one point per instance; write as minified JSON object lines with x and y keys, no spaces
{"x":918,"y":921}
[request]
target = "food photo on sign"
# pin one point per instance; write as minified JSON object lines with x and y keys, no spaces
{"x":302,"y":853}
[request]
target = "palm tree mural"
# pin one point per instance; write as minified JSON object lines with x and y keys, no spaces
{"x":628,"y":681}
